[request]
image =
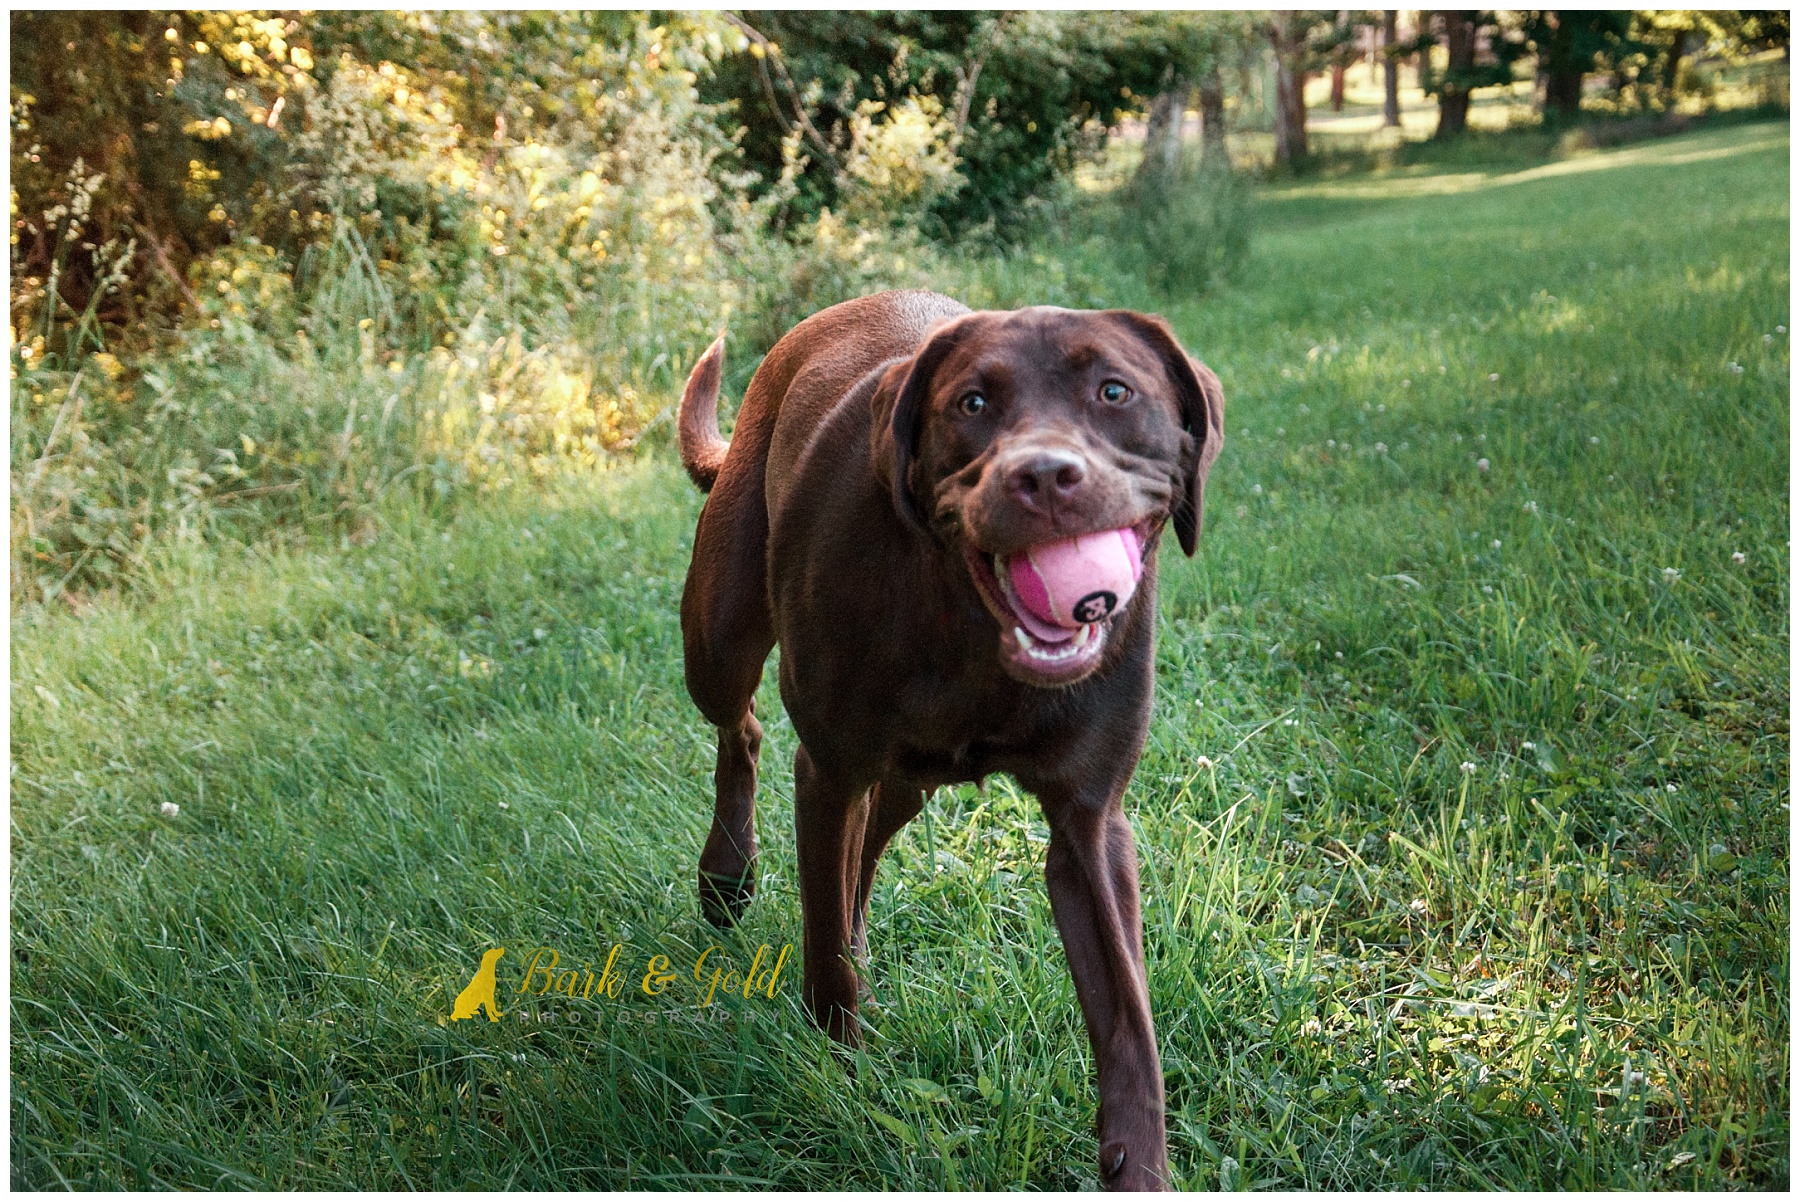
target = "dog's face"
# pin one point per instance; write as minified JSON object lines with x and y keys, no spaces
{"x":1010,"y":430}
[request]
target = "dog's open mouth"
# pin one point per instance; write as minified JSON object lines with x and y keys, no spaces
{"x":1032,"y":650}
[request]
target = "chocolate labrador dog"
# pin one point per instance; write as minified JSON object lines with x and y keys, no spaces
{"x":890,"y":455}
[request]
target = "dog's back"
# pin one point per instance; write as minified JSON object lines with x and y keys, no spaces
{"x":799,"y":380}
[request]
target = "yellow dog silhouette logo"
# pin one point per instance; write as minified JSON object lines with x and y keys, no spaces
{"x":480,"y":991}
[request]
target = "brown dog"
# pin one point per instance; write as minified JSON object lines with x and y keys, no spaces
{"x":887,"y":451}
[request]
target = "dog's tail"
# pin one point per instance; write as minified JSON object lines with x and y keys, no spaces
{"x":702,"y":446}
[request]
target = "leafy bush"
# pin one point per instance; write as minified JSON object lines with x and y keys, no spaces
{"x":1185,"y":232}
{"x":375,"y":296}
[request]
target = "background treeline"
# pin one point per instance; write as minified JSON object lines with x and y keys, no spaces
{"x":273,"y":270}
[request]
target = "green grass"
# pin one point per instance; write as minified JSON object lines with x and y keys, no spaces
{"x":1563,"y":965}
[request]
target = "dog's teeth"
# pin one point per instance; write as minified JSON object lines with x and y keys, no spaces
{"x":1082,"y":638}
{"x":1024,"y":639}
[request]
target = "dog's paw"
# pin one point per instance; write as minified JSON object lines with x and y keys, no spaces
{"x":723,"y":898}
{"x":1120,"y":1171}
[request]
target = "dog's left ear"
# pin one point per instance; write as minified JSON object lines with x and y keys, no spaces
{"x":1202,"y":404}
{"x":898,"y":408}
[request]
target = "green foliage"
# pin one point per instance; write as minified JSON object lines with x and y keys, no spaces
{"x":1183,"y":234}
{"x":498,"y":256}
{"x":1029,"y":94}
{"x":1371,"y":968}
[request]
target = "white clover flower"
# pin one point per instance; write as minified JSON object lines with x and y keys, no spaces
{"x":1256,"y":489}
{"x":1737,"y":557}
{"x":1311,"y":1026}
{"x":1529,"y":746}
{"x":1768,"y":338}
{"x":1416,"y":905}
{"x":1593,"y":440}
{"x":1381,"y":448}
{"x":1531,"y":507}
{"x":1496,"y":544}
{"x":1493,"y":376}
{"x":169,"y":809}
{"x":1204,"y":763}
{"x":1737,"y":369}
{"x":1781,"y":329}
{"x":1671,"y":575}
{"x":1670,"y":786}
{"x":1481,"y":465}
{"x":1468,"y":768}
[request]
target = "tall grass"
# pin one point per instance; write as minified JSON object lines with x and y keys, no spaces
{"x":1465,"y":865}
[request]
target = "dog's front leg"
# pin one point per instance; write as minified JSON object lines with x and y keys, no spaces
{"x":829,"y":817}
{"x":1092,"y":874}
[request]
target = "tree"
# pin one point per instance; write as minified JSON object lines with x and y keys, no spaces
{"x":1390,"y":68}
{"x":1466,"y":69}
{"x":1341,"y":49}
{"x":1212,"y":118}
{"x":1568,"y":45}
{"x":1455,"y":87}
{"x":1288,"y":32}
{"x":1667,"y":38}
{"x":1193,"y":46}
{"x":1030,"y":93}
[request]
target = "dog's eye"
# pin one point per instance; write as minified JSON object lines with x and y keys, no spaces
{"x":1114,"y":393}
{"x":973,"y":404}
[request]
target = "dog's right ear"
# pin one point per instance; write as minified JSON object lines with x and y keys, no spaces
{"x":898,"y":408}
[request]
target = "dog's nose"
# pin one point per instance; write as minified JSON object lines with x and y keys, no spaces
{"x":1044,"y":478}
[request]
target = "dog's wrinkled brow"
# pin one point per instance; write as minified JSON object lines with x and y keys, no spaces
{"x":1082,"y":356}
{"x":996,"y":373}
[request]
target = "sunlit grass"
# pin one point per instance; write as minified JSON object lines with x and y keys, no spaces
{"x":1464,"y":816}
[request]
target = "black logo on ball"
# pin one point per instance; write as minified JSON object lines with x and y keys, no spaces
{"x":1095,"y":606}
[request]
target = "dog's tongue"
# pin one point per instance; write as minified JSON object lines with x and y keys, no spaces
{"x":1062,"y":586}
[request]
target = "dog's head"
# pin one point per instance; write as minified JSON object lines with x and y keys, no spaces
{"x":1008,"y":430}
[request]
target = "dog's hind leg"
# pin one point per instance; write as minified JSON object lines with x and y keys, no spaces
{"x":726,"y":635}
{"x":891,"y":806}
{"x":728,"y":861}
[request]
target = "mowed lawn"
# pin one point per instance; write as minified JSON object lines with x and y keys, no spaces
{"x":1464,"y":820}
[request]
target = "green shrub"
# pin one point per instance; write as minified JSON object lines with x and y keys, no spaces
{"x":1183,"y":233}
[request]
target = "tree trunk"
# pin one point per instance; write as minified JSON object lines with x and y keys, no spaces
{"x":1423,"y":39}
{"x":1562,"y":73}
{"x":1287,"y":35}
{"x":1337,"y":87}
{"x":1212,"y":120}
{"x":1453,"y":92}
{"x":1390,"y":69}
{"x":1562,"y":92}
{"x":1672,"y":69}
{"x":1162,"y":134}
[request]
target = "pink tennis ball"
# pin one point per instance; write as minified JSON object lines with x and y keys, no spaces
{"x":1078,"y":580}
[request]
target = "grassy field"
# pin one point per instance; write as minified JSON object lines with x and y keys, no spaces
{"x":1464,"y":819}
